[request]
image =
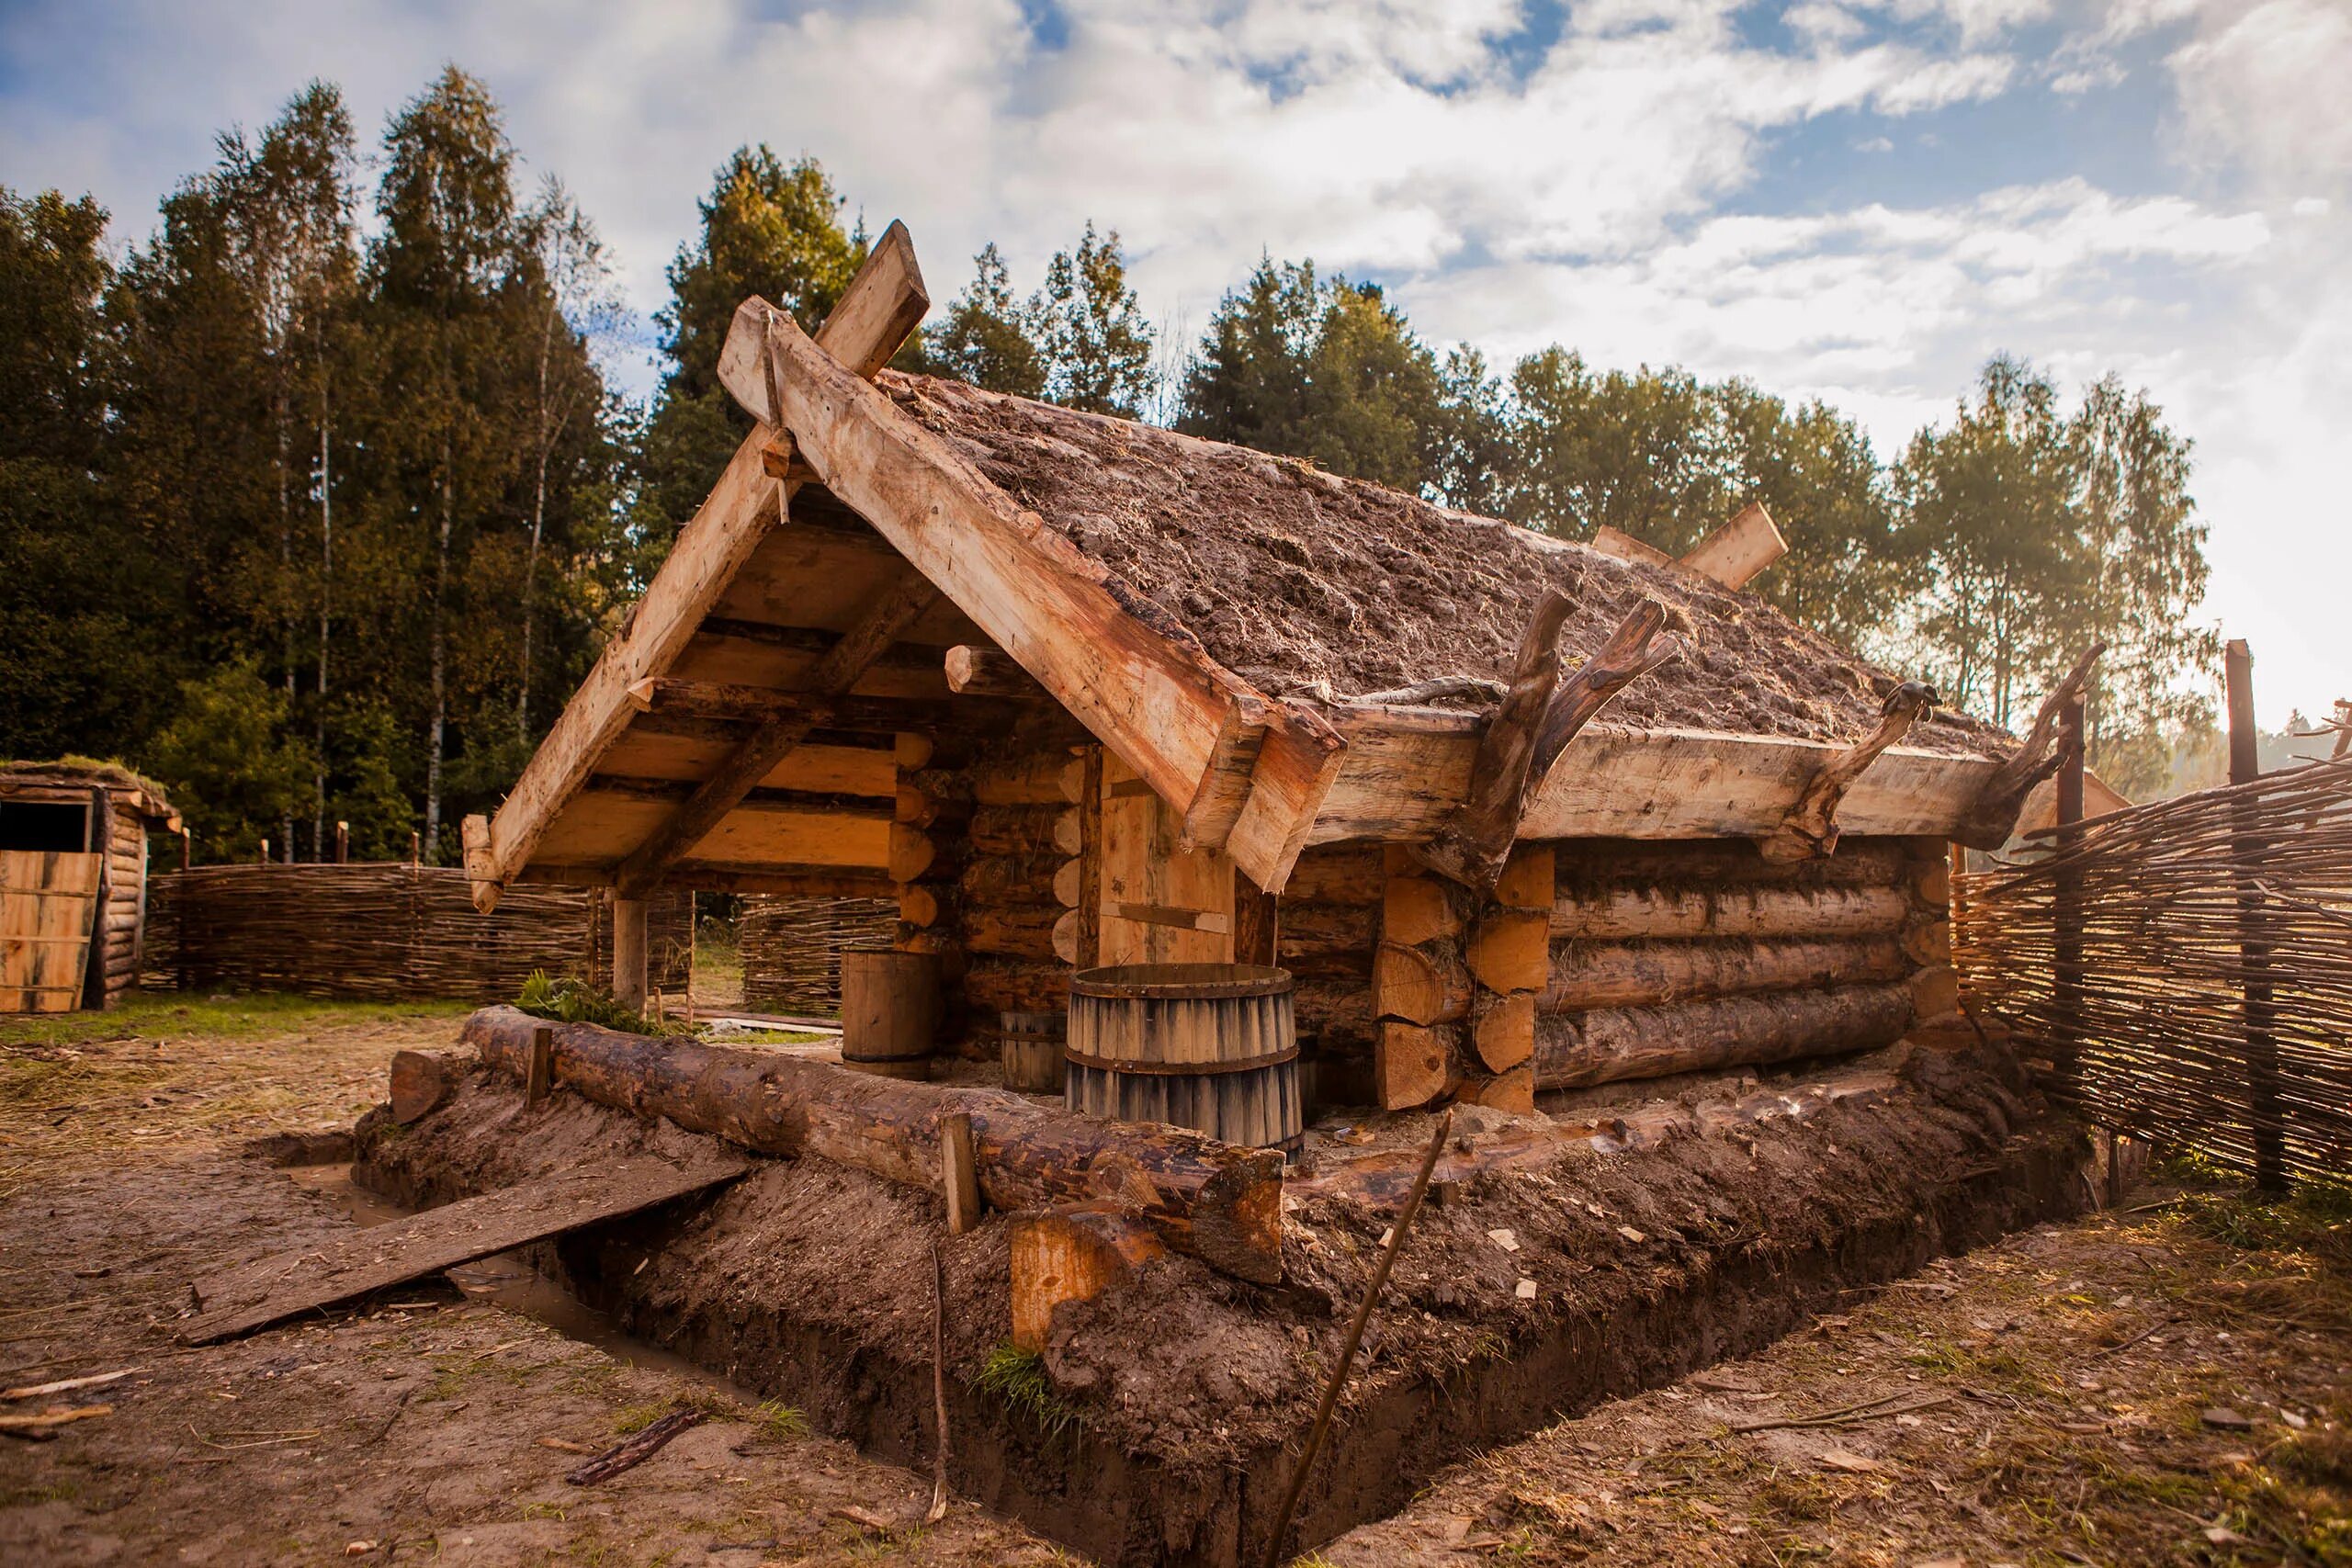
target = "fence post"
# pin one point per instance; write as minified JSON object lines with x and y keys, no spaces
{"x":2066,"y":907}
{"x":342,"y":843}
{"x":2263,"y":1119}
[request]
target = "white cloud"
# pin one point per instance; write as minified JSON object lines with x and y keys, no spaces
{"x":1591,"y":195}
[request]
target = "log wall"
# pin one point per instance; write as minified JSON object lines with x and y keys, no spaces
{"x":389,"y":931}
{"x":1672,"y":957}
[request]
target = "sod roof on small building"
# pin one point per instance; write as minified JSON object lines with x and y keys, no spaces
{"x":1294,"y":578}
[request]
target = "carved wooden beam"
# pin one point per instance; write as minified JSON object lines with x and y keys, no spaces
{"x":899,"y":605}
{"x":1539,"y":716}
{"x":1472,"y":845}
{"x":1993,"y":816}
{"x":985,"y":673}
{"x":1740,"y":549}
{"x":1810,"y":830}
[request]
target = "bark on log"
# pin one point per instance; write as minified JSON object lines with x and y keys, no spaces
{"x":1336,"y":874}
{"x":1651,"y":973}
{"x":1024,"y":830}
{"x":1336,"y":1016}
{"x":1730,"y":911}
{"x":1021,"y":931}
{"x":1050,"y":778}
{"x":1615,"y":1045}
{"x":1012,"y":985}
{"x":1594,"y":864}
{"x":1327,"y":939}
{"x":1012,"y":879}
{"x":1221,"y":1203}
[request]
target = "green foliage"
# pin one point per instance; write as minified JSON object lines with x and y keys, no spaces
{"x":229,"y":763}
{"x":571,"y":1000}
{"x":1017,"y":1379}
{"x":1328,"y":371}
{"x":2041,"y":531}
{"x":779,"y":1422}
{"x":985,"y":338}
{"x":1096,"y":342}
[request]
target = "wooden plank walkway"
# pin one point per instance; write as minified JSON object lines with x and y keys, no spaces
{"x":247,"y":1297}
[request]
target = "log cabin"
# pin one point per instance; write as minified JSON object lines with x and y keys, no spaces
{"x":73,"y":882}
{"x":1519,"y":814}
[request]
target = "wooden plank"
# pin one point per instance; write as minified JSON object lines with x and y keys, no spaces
{"x":1106,"y":656}
{"x":722,"y":534}
{"x":1616,"y":542}
{"x":47,"y":899}
{"x":1739,"y":550}
{"x":1145,"y":868}
{"x":275,"y":1288}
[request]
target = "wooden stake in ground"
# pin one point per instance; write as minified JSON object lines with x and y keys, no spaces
{"x":938,"y":1383}
{"x":1355,"y":1338}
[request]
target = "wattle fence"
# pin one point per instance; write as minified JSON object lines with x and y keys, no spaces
{"x":389,"y":931}
{"x":792,"y":947}
{"x":2186,"y":967}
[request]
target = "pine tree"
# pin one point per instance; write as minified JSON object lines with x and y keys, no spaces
{"x":768,"y":229}
{"x":447,"y":251}
{"x":985,"y":338}
{"x":1097,"y":345}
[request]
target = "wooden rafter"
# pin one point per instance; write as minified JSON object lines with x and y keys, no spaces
{"x":1992,"y":817}
{"x":880,"y":306}
{"x":1810,"y":830}
{"x":899,"y":604}
{"x":1108,"y":657}
{"x":1540,"y":714}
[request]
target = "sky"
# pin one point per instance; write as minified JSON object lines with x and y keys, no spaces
{"x":1856,"y":199}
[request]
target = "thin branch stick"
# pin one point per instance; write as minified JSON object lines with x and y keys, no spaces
{"x":939,"y":1381}
{"x":1355,"y":1338}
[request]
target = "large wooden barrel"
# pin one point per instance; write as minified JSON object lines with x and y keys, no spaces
{"x":889,"y":1012}
{"x":1032,"y":1051}
{"x":1209,"y":1046}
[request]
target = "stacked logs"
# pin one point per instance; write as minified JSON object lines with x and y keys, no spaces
{"x":1007,"y":899}
{"x":1670,"y":957}
{"x":1456,"y":980}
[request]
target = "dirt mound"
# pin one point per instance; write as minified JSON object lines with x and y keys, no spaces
{"x":1291,"y":576}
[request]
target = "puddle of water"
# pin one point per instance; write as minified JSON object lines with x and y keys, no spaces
{"x":506,"y":1280}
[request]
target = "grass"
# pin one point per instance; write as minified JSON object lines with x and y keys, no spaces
{"x":779,"y":1422}
{"x":166,"y":1015}
{"x":1017,"y":1380}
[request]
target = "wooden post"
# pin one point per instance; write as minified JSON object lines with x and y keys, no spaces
{"x":342,"y":843}
{"x":2066,"y":906}
{"x":2262,"y":1111}
{"x":415,"y":847}
{"x":265,"y":852}
{"x":538,"y":1073}
{"x":629,"y":952}
{"x":188,"y":849}
{"x":956,"y":1172}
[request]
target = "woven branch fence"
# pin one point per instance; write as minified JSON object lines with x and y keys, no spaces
{"x":2187,"y":966}
{"x":792,"y":947}
{"x":389,"y":931}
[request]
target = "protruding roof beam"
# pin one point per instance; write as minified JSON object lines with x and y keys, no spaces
{"x":880,"y":306}
{"x":1810,"y":830}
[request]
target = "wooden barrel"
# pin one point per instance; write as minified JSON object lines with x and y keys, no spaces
{"x":889,"y":1014}
{"x":1032,"y":1051}
{"x":1209,"y":1046}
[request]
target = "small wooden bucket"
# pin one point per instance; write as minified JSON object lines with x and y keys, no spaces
{"x":1209,"y":1046}
{"x":1032,"y":1051}
{"x":889,"y":1014}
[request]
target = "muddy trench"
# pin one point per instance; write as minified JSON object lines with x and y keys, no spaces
{"x":846,"y":1339}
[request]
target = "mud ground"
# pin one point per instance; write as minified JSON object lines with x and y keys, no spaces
{"x":2040,"y":1431}
{"x":413,"y":1428}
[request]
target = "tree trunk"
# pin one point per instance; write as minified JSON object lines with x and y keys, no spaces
{"x":440,"y":660}
{"x":1612,"y":1045}
{"x":1221,"y":1203}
